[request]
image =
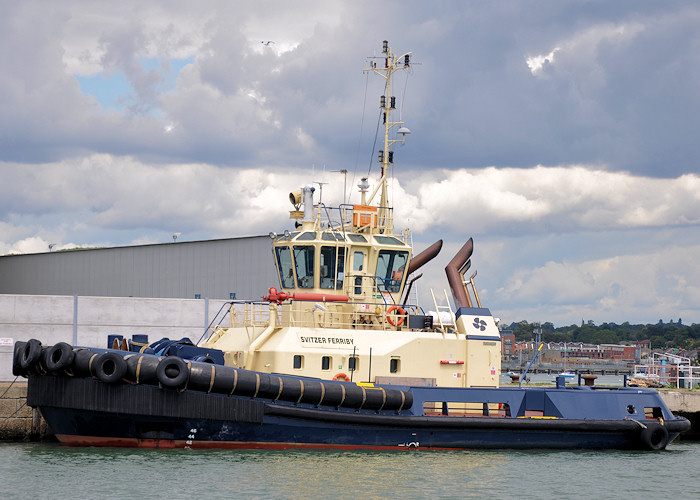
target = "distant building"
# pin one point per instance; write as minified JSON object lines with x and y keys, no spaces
{"x":576,"y":353}
{"x":508,"y":345}
{"x":643,"y":344}
{"x":621,"y":352}
{"x":241,"y":268}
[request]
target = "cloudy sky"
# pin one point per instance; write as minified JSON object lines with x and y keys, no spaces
{"x":562,"y":136}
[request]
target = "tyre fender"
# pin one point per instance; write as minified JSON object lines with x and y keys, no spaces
{"x":30,"y":354}
{"x":655,"y":436}
{"x":110,"y":367}
{"x":58,"y":357}
{"x":173,"y":372}
{"x":17,"y":369}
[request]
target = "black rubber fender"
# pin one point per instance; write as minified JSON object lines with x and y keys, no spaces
{"x":654,"y":436}
{"x":30,"y":355}
{"x":83,"y":362}
{"x":203,"y":358}
{"x":142,"y":369}
{"x":58,"y":357}
{"x":17,"y":369}
{"x":173,"y":372}
{"x":110,"y":367}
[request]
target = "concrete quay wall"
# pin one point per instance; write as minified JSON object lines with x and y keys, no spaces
{"x":685,"y":404}
{"x":88,"y":321}
{"x":19,"y":422}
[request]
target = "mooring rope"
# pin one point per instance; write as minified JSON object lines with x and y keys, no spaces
{"x":15,"y":412}
{"x":9,"y":387}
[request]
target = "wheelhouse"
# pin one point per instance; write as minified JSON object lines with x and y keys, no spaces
{"x":365,"y":267}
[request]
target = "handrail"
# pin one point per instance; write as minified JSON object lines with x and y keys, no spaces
{"x":332,"y":315}
{"x":218,"y":322}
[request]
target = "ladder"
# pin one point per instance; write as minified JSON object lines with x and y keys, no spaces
{"x":446,"y":308}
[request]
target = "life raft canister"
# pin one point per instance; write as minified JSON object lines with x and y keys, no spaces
{"x":401,"y":315}
{"x":341,"y":377}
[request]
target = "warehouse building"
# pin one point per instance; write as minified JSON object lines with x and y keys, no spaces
{"x":240,"y":268}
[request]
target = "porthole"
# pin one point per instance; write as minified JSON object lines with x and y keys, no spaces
{"x":394,"y":365}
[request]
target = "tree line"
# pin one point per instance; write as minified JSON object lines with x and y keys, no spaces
{"x":661,"y":335}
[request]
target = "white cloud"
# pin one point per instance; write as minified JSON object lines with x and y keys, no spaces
{"x":532,"y":227}
{"x":123,"y":191}
{"x":551,"y":198}
{"x":36,"y":244}
{"x":584,"y":49}
{"x":662,"y":284}
{"x":537,"y":63}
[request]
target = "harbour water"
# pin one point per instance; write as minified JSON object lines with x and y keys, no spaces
{"x":41,"y":470}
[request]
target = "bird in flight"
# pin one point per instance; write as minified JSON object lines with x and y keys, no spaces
{"x":267,"y":43}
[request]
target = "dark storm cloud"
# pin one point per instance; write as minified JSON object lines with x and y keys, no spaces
{"x":619,"y":91}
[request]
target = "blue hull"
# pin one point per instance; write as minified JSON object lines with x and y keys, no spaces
{"x":146,"y":416}
{"x":112,"y":398}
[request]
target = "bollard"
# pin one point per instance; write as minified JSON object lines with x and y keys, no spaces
{"x":589,"y":379}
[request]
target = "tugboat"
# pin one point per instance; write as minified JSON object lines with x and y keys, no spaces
{"x":337,"y":357}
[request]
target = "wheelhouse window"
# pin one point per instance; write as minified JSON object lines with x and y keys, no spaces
{"x":388,"y":240}
{"x":353,"y":363}
{"x":332,"y":259}
{"x":358,"y":259}
{"x":341,"y":269}
{"x":307,"y":236}
{"x":332,"y":237}
{"x":327,"y":269}
{"x":298,"y":361}
{"x":284,"y":264}
{"x":391,"y":265}
{"x":304,"y":262}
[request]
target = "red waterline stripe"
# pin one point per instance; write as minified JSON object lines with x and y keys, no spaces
{"x":70,"y":440}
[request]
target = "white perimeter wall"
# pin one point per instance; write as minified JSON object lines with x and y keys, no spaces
{"x":87,"y":321}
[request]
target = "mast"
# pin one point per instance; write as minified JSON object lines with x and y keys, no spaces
{"x":391,"y":64}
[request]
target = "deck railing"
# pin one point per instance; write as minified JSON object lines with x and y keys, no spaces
{"x":669,"y":369}
{"x":330,"y":315}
